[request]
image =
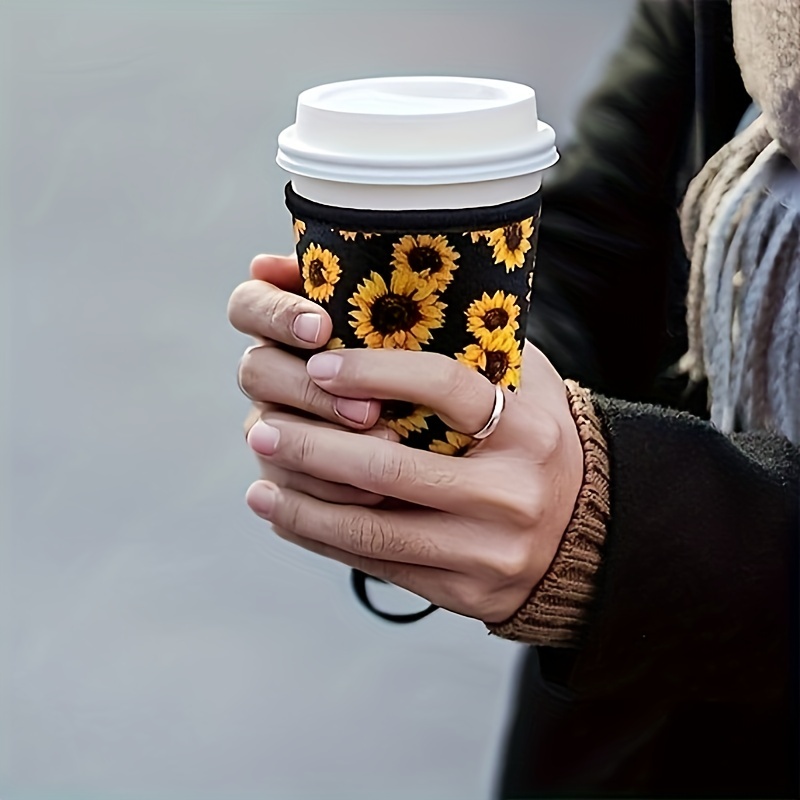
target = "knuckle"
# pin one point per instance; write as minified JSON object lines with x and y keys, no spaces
{"x":497,"y":499}
{"x":549,"y":437}
{"x":257,"y":375}
{"x":445,"y":375}
{"x":249,"y":375}
{"x":458,"y":380}
{"x":238,"y":304}
{"x":511,"y":562}
{"x":469,"y":597}
{"x":398,"y":465}
{"x":366,"y":533}
{"x":529,"y":510}
{"x":305,"y":447}
{"x":498,"y":606}
{"x":389,"y":465}
{"x":290,"y":516}
{"x":259,"y":308}
{"x":465,"y":384}
{"x":283,"y":309}
{"x":520,"y":501}
{"x":355,"y":369}
{"x":312,"y":398}
{"x":439,"y":478}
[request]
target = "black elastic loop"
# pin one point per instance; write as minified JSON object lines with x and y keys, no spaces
{"x":358,"y":581}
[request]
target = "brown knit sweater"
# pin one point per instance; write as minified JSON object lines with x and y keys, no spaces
{"x":556,"y":611}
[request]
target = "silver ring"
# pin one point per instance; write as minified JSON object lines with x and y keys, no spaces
{"x":239,"y":370}
{"x":494,"y":419}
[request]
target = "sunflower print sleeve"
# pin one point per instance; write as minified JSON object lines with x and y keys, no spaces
{"x":451,"y":282}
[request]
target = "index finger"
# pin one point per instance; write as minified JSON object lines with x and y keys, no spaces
{"x":461,"y":397}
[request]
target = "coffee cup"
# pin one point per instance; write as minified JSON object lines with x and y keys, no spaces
{"x":415,"y":205}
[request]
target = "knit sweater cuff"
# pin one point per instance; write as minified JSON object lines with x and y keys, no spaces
{"x":556,"y":612}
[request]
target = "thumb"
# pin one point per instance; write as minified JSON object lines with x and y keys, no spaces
{"x":280,"y":271}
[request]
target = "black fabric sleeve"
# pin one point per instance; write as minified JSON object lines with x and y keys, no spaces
{"x":611,"y":274}
{"x":687,"y":683}
{"x":701,"y":554}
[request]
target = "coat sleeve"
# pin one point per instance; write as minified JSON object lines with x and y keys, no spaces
{"x":686,"y":681}
{"x":691,"y":658}
{"x":699,"y":579}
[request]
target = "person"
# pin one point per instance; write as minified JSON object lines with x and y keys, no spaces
{"x":611,"y":262}
{"x":650,"y":557}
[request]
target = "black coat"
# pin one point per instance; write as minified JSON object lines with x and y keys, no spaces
{"x":687,"y":683}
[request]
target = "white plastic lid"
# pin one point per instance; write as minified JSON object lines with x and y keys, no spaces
{"x":417,"y":131}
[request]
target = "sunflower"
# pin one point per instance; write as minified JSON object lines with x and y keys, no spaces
{"x":457,"y":444}
{"x":429,"y":259}
{"x":335,"y":344}
{"x":498,"y":312}
{"x":320,"y":272}
{"x":498,"y":357}
{"x":404,"y":418}
{"x":299,"y":228}
{"x":511,"y":242}
{"x":476,"y":236}
{"x":399,"y":316}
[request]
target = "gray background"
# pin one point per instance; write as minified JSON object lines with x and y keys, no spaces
{"x":157,"y":640}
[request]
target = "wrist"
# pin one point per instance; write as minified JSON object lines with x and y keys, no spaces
{"x":556,"y":611}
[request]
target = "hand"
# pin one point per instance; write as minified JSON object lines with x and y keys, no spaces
{"x":472,"y":534}
{"x":269,"y":309}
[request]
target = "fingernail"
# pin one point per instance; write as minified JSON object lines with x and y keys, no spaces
{"x":324,"y":366}
{"x":306,"y":327}
{"x":261,"y":498}
{"x":263,"y":438}
{"x":355,"y":410}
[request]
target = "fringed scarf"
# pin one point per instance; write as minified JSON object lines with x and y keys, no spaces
{"x":740,"y":222}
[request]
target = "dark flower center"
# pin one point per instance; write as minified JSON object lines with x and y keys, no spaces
{"x":496,"y":365}
{"x":394,"y":312}
{"x":316,"y":273}
{"x":397,"y":409}
{"x":461,"y":451}
{"x":425,"y":258}
{"x":513,"y":235}
{"x":495,"y":318}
